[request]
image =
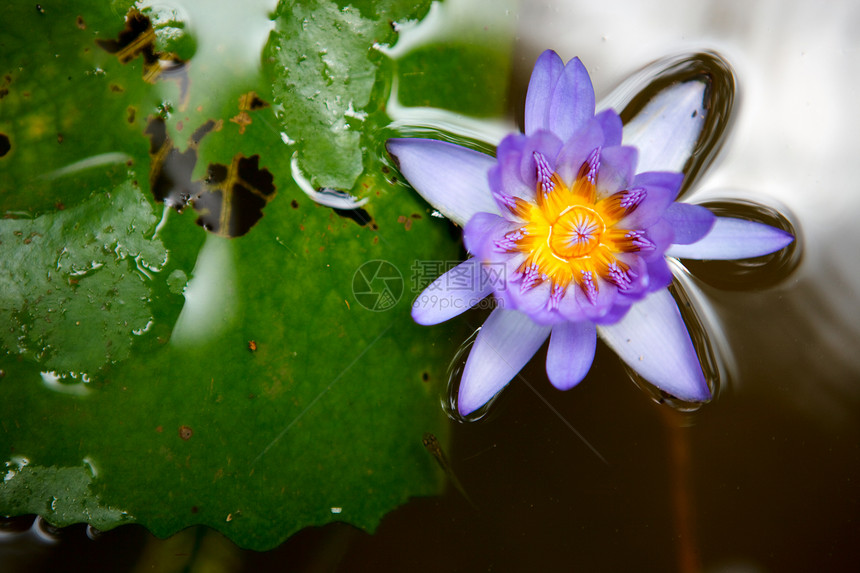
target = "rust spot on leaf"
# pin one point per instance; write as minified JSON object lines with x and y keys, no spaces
{"x":242,"y":119}
{"x":185,"y":432}
{"x":247,"y":102}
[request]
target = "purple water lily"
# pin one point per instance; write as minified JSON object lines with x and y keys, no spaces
{"x":571,"y":241}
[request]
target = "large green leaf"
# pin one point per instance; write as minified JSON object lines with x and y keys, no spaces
{"x":246,"y":378}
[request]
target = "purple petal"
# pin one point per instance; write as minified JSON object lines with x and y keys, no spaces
{"x":612,"y":127}
{"x":617,"y":313}
{"x":577,"y":306}
{"x":659,"y":274}
{"x":545,"y":143}
{"x":669,"y":180}
{"x":653,"y":340}
{"x":660,"y":234}
{"x":690,"y":222}
{"x":505,"y":343}
{"x":572,"y":104}
{"x":661,"y":188}
{"x":569,"y":308}
{"x":617,"y":168}
{"x":570,"y":353}
{"x":575,"y":151}
{"x":732,"y":238}
{"x":451,"y":178}
{"x":638,"y":273}
{"x":514,"y":173}
{"x":667,"y":129}
{"x":504,"y":177}
{"x":548,"y":69}
{"x":531,"y":301}
{"x":596,"y":304}
{"x":482,"y":230}
{"x":453,"y":293}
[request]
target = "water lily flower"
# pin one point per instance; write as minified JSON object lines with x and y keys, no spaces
{"x":572,"y":241}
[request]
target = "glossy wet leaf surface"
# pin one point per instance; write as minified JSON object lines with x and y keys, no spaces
{"x":181,"y":341}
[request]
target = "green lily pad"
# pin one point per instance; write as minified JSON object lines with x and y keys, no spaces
{"x":187,"y":337}
{"x":330,"y":84}
{"x":73,"y":281}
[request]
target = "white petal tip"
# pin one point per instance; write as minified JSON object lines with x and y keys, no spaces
{"x":732,"y":238}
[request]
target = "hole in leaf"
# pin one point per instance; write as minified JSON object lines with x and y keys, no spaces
{"x":170,"y":169}
{"x":138,"y":39}
{"x":359,"y":215}
{"x":234,"y":196}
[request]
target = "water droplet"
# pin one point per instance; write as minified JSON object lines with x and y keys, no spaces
{"x":94,"y":533}
{"x":143,"y":330}
{"x":44,"y":531}
{"x":88,"y":461}
{"x":15,"y":465}
{"x":66,"y":383}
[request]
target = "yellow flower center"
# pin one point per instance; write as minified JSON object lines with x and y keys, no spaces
{"x":569,"y":235}
{"x":575,"y":233}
